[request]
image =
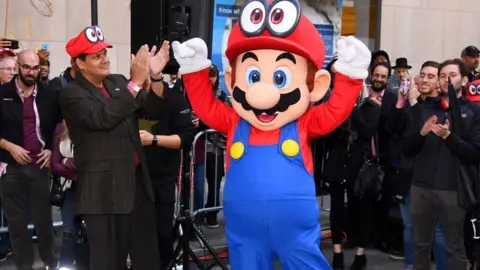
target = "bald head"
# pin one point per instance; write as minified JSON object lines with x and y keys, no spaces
{"x":28,"y":56}
{"x":29,"y":67}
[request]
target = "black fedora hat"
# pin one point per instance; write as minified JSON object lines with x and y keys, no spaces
{"x":402,"y":62}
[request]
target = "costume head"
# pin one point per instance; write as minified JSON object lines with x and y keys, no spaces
{"x":472,"y":91}
{"x":276,"y":56}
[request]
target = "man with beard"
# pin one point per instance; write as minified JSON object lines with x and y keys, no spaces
{"x":425,"y":91}
{"x":28,"y":116}
{"x":470,"y":56}
{"x":436,"y":152}
{"x":369,"y":119}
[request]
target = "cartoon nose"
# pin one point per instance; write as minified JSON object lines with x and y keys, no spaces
{"x":262,"y":96}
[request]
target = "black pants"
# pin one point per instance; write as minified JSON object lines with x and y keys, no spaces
{"x":428,"y":205}
{"x":214,"y":172}
{"x":19,"y":186}
{"x":358,"y":215}
{"x":164,"y":189}
{"x":112,"y":237}
{"x":383,"y":228}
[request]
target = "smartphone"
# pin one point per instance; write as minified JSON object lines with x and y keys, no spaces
{"x":405,"y":86}
{"x":13,"y":44}
{"x":45,"y":46}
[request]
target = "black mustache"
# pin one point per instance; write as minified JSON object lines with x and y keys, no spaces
{"x":286,"y":100}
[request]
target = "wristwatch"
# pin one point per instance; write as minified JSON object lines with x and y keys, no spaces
{"x":135,"y":87}
{"x":157,"y":80}
{"x":154,"y":140}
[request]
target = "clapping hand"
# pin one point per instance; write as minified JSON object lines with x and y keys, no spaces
{"x":140,"y":66}
{"x":159,"y":60}
{"x":442,"y":131}
{"x":428,"y":126}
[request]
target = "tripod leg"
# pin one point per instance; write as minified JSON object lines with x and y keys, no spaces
{"x":177,"y":230}
{"x":209,"y":247}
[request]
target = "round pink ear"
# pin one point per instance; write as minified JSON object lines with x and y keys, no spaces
{"x":320,"y":86}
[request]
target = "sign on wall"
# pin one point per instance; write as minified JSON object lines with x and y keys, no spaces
{"x":324,"y":14}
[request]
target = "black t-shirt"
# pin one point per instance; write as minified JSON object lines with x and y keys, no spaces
{"x":164,"y":163}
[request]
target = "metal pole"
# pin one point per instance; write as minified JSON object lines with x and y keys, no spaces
{"x":94,"y":7}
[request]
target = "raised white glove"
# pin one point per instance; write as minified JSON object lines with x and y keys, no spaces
{"x":353,"y":58}
{"x":191,"y":55}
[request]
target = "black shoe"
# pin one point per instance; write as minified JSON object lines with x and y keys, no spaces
{"x":397,"y":255}
{"x":211,"y":220}
{"x":4,"y":255}
{"x":337,"y":263}
{"x":359,"y":263}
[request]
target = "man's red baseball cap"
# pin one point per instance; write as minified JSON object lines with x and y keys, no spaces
{"x":7,"y":52}
{"x":89,"y":41}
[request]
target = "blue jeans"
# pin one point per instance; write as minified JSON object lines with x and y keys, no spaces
{"x":71,"y":228}
{"x":199,"y":171}
{"x":438,"y":245}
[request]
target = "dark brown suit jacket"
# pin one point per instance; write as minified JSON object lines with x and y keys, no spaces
{"x":105,"y":136}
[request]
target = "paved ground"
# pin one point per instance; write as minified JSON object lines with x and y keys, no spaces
{"x":376,"y":260}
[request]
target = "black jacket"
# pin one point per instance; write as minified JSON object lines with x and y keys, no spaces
{"x":11,"y":116}
{"x":435,"y":164}
{"x":164,"y":163}
{"x":57,"y":84}
{"x":350,"y":144}
{"x":106,"y":138}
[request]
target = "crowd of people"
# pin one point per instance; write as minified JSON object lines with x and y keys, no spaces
{"x":402,"y":125}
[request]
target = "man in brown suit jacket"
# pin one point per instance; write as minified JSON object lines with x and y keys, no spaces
{"x":114,"y":191}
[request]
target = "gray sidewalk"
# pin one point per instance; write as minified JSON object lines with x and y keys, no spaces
{"x":376,"y":259}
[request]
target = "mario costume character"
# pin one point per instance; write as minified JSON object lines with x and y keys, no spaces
{"x":276,"y":57}
{"x":473,"y":91}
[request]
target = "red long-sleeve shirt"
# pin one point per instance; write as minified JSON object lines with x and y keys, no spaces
{"x":317,"y":121}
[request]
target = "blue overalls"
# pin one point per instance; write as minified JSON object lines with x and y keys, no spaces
{"x":270,"y":206}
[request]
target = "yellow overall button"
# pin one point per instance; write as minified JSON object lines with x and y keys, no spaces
{"x":237,"y":150}
{"x":290,"y":148}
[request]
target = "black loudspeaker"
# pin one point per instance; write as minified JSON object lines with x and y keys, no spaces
{"x":153,"y":21}
{"x":147,"y":23}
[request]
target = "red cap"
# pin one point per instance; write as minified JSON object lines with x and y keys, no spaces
{"x":472,"y":91}
{"x":7,"y":52}
{"x":89,"y":41}
{"x":277,"y":26}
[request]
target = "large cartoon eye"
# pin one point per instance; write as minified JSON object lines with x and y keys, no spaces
{"x":478,"y":89}
{"x":91,"y":35}
{"x":99,"y":33}
{"x":252,"y":75}
{"x":472,"y":89}
{"x":283,"y":17}
{"x":282,"y":77}
{"x":252,"y":18}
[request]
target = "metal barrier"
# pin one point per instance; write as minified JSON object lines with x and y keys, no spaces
{"x":216,"y":135}
{"x":201,"y":209}
{"x":192,"y":154}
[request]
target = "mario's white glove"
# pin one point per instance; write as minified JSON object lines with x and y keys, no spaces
{"x":191,"y":55}
{"x":353,"y":58}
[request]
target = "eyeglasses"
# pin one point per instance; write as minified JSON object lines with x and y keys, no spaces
{"x":29,"y":68}
{"x":9,"y":69}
